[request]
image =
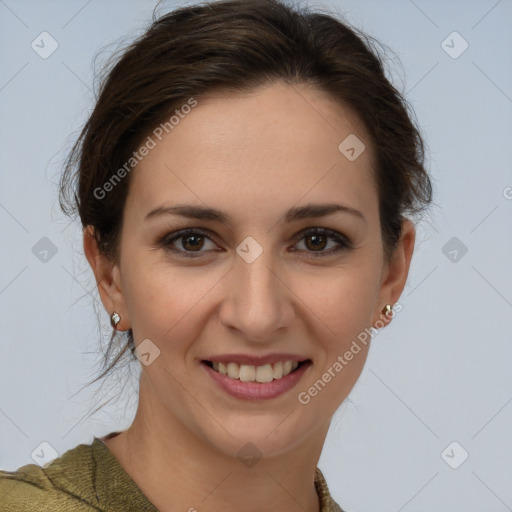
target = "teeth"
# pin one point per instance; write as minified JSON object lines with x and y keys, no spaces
{"x":264,"y":373}
{"x":247,"y":373}
{"x":250,"y":373}
{"x":233,"y":370}
{"x":278,"y":370}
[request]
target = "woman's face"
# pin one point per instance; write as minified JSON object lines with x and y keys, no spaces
{"x":261,"y":283}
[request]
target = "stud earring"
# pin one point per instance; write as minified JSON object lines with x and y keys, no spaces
{"x":115,"y":319}
{"x":387,"y":310}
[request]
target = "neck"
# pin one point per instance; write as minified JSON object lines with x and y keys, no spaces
{"x":178,"y":470}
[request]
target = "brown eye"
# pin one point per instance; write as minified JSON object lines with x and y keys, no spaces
{"x":316,"y":240}
{"x":187,"y":242}
{"x":192,"y":242}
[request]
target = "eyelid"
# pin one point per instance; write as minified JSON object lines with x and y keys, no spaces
{"x":168,"y":238}
{"x":331,"y":233}
{"x":344,"y":242}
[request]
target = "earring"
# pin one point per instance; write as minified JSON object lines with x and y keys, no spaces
{"x":115,"y":319}
{"x":387,"y":310}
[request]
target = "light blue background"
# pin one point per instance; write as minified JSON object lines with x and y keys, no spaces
{"x":441,"y":372}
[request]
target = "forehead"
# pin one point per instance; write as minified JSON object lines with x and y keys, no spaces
{"x":275,"y":144}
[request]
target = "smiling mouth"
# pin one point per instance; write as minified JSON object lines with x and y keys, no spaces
{"x":250,"y":373}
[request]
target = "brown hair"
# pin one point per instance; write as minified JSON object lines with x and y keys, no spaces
{"x":237,"y":45}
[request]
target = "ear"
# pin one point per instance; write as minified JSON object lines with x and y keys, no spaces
{"x":395,"y":273}
{"x":108,"y":279}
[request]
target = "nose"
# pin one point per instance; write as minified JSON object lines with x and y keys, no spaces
{"x":257,"y":303}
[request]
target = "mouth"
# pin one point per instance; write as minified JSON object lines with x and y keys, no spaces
{"x":278,"y":376}
{"x":257,"y":374}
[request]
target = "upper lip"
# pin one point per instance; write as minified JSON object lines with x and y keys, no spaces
{"x":255,"y":360}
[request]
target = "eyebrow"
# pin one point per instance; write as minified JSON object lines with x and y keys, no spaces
{"x":293,"y":214}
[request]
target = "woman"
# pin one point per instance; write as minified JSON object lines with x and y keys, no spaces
{"x":245,"y":183}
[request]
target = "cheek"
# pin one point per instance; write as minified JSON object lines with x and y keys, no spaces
{"x":341,"y":311}
{"x":342,"y":300}
{"x":163,"y":301}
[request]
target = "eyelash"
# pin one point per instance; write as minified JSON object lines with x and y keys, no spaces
{"x":342,"y":241}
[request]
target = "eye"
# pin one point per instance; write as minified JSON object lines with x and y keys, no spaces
{"x":190,"y":242}
{"x":316,"y":240}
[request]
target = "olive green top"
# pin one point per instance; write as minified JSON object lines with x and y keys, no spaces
{"x":89,"y":478}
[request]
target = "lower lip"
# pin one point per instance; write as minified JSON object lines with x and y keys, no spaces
{"x":257,"y":390}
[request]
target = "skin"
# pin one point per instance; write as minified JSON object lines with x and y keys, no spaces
{"x":254,"y":156}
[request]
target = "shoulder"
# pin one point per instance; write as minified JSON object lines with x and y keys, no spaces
{"x":65,"y":484}
{"x":327,"y":503}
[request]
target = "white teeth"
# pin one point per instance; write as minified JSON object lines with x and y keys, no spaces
{"x":278,"y":370}
{"x":264,"y":373}
{"x":247,"y":372}
{"x":233,"y":370}
{"x":250,"y":373}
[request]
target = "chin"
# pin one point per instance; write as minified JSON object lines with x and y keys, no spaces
{"x":259,"y":435}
